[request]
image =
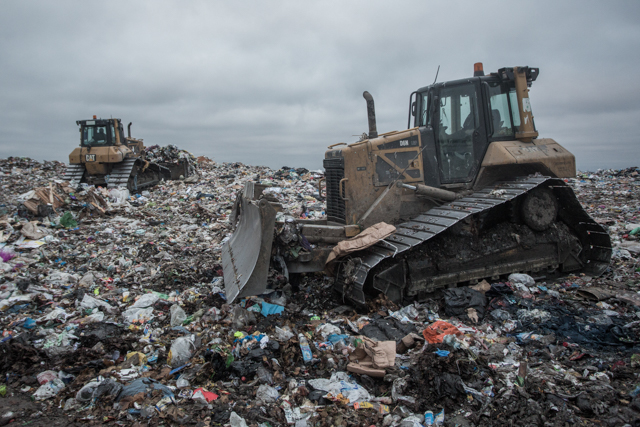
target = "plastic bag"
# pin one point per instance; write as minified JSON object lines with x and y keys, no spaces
{"x":88,"y":280}
{"x":242,"y":318}
{"x":284,"y":333}
{"x":46,"y":376}
{"x":237,"y":421}
{"x":181,"y":351}
{"x":412,"y":421}
{"x":91,"y":302}
{"x":500,"y":314}
{"x":66,"y":378}
{"x":119,"y":196}
{"x":97,"y":388}
{"x":340,"y":382}
{"x":140,"y":386}
{"x":177,"y":315}
{"x":268,"y":309}
{"x":59,"y":278}
{"x":327,"y":329}
{"x":523,"y":279}
{"x":399,"y":386}
{"x":214,"y":314}
{"x":264,"y":375}
{"x":267,"y":394}
{"x":406,"y":314}
{"x":203,"y":395}
{"x":85,"y":394}
{"x":138,"y":314}
{"x":146,"y":300}
{"x":435,"y":333}
{"x":50,"y":389}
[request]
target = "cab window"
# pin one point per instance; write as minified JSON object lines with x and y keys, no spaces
{"x":94,"y":135}
{"x":515,"y":113}
{"x":425,"y":117}
{"x":501,"y":123}
{"x":458,"y":119}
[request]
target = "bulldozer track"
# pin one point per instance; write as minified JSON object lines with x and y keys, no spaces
{"x":433,"y":222}
{"x":74,"y":172}
{"x":121,"y":173}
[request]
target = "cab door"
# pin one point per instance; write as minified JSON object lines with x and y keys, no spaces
{"x":459,"y":132}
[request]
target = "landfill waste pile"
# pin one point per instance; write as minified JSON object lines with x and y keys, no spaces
{"x":180,"y":162}
{"x":113,"y":312}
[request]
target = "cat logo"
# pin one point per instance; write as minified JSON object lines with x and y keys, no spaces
{"x":90,"y":157}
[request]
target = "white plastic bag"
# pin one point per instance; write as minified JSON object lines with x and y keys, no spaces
{"x":177,"y":315}
{"x":181,"y":351}
{"x":236,"y":420}
{"x":267,"y":394}
{"x":146,"y":300}
{"x":50,"y":389}
{"x":119,"y":196}
{"x":284,"y":333}
{"x":91,"y":302}
{"x":341,"y":383}
{"x":523,"y":279}
{"x":133,"y":313}
{"x":327,"y":329}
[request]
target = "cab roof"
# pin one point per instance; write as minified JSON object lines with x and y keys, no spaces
{"x":96,"y":122}
{"x":503,"y":74}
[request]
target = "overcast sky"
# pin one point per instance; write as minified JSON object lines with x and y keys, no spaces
{"x":274,"y":83}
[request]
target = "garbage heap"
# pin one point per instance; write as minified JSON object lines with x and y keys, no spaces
{"x":119,"y":316}
{"x":180,"y":162}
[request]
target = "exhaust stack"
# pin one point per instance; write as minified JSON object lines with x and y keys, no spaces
{"x":129,"y":129}
{"x":371,"y":115}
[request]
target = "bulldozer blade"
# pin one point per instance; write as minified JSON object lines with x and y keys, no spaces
{"x":246,"y":255}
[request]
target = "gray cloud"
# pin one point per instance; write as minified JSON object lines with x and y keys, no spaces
{"x":275,"y":83}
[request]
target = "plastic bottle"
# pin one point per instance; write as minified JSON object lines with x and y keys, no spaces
{"x":304,"y":346}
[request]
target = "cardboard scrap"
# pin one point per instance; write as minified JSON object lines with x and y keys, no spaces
{"x":56,"y":194}
{"x":369,"y":237}
{"x":372,"y":357}
{"x":483,"y":287}
{"x":595,"y":294}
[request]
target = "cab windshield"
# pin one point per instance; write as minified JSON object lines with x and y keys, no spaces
{"x":96,"y":135}
{"x":503,"y":104}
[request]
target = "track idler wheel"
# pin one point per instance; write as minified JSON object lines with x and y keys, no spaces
{"x":540,"y":209}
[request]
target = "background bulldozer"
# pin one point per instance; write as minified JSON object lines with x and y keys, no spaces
{"x":107,"y":157}
{"x":470,"y":189}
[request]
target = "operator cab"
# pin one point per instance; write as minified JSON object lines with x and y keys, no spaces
{"x":100,"y":133}
{"x":459,"y":119}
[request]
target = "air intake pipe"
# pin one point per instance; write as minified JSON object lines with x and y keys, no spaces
{"x":371,"y":114}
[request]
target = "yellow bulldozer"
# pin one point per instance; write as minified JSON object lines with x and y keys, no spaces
{"x":106,"y":157}
{"x":470,"y":189}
